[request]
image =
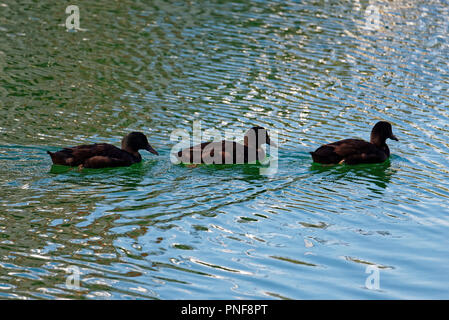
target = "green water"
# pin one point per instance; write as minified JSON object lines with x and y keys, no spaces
{"x":313,"y":71}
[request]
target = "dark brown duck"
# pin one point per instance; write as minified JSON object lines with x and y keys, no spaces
{"x":103,"y":155}
{"x":228,"y":152}
{"x":355,"y":151}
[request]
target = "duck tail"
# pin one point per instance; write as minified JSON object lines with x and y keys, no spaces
{"x":314,"y":156}
{"x":56,"y":158}
{"x":52,"y":155}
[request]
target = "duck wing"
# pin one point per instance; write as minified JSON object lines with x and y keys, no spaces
{"x":228,"y":152}
{"x":105,"y":162}
{"x":192,"y":154}
{"x":351,"y":151}
{"x":79,"y":155}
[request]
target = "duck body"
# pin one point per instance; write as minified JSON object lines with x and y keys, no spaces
{"x":350,"y":151}
{"x":228,"y":152}
{"x":103,"y":155}
{"x":357,"y":151}
{"x":222,"y":152}
{"x":98,"y":155}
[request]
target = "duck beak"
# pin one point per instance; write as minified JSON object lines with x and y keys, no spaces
{"x":393,"y":137}
{"x":150,"y":149}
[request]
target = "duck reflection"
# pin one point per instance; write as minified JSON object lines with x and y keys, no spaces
{"x":378,"y":174}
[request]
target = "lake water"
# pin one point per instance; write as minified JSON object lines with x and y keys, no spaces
{"x":312,"y":71}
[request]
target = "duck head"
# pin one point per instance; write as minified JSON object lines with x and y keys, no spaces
{"x":135,"y":141}
{"x":381,"y":132}
{"x":256,"y":137}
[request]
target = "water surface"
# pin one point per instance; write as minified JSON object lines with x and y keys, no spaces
{"x":314,"y":71}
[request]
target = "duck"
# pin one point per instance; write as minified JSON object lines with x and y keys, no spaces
{"x":104,"y":155}
{"x":228,"y":152}
{"x":356,"y":151}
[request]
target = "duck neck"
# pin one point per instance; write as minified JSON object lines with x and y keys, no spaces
{"x":136,"y":154}
{"x":260,"y":153}
{"x":245,"y":141}
{"x":251,"y":143}
{"x":377,"y":141}
{"x":386,"y":150}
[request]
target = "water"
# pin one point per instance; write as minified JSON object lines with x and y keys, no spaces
{"x":315,"y":71}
